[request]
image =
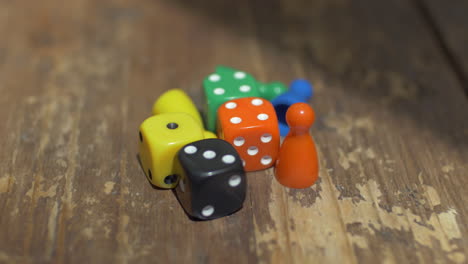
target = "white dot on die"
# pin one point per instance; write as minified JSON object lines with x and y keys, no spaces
{"x":218,"y":91}
{"x":257,"y":102}
{"x":234,"y":180}
{"x":215,"y":77}
{"x":265,"y":138}
{"x":228,"y":159}
{"x":266,"y":160}
{"x":239,"y":75}
{"x":207,"y":210}
{"x":231,"y":105}
{"x":252,"y":150}
{"x":244,"y":88}
{"x":209,"y":154}
{"x":262,"y":117}
{"x":236,"y":120}
{"x":239,"y":141}
{"x":190,"y":149}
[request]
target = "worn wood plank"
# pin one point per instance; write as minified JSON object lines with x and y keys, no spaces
{"x":391,"y":132}
{"x":390,"y":149}
{"x":393,"y":163}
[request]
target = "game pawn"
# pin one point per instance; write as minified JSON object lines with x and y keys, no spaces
{"x":297,"y":163}
{"x":300,"y":92}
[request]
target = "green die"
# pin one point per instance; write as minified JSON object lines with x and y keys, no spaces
{"x":269,"y":91}
{"x":224,"y":85}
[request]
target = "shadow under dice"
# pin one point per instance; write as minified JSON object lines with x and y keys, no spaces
{"x":251,"y":126}
{"x":212,"y":179}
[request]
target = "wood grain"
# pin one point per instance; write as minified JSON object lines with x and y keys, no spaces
{"x":77,"y":79}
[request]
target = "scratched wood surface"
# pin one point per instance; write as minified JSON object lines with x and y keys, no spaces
{"x":78,"y":77}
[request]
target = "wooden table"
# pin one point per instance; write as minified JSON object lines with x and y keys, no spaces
{"x":78,"y":77}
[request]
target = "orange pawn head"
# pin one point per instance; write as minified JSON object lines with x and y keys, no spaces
{"x":297,"y":163}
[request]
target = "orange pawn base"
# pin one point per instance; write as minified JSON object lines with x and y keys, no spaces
{"x":297,"y":163}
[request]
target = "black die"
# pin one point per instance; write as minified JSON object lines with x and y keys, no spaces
{"x":213,"y":182}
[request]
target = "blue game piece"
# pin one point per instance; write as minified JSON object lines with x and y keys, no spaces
{"x":300,"y":91}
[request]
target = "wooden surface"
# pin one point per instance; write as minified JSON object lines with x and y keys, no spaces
{"x":78,"y":77}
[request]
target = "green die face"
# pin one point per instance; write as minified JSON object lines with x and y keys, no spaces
{"x":224,"y":85}
{"x":269,"y":91}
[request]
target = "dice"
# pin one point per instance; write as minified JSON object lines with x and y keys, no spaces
{"x":165,"y":104}
{"x":212,"y":179}
{"x":223,"y":85}
{"x":161,"y":136}
{"x":251,"y":126}
{"x":270,"y":91}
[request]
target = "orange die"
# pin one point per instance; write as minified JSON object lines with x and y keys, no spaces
{"x":251,"y":126}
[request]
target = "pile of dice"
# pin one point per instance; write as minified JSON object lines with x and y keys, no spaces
{"x":244,"y":120}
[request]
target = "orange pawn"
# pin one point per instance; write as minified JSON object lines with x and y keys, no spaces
{"x":297,"y":163}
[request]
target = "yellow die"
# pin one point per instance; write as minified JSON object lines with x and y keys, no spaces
{"x":177,"y":101}
{"x":161,"y":137}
